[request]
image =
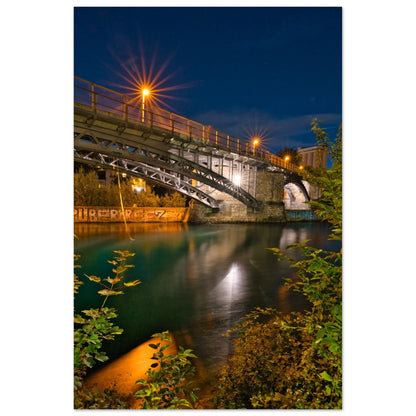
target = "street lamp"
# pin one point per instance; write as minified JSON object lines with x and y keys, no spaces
{"x":256,"y":141}
{"x":287,"y":158}
{"x":145,"y":92}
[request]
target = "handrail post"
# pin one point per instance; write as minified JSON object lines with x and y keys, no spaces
{"x":125,"y":108}
{"x":93,"y":98}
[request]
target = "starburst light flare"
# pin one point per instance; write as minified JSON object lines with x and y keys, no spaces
{"x":148,"y":80}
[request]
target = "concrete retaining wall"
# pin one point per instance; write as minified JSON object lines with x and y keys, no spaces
{"x":133,"y":214}
{"x":301,"y":215}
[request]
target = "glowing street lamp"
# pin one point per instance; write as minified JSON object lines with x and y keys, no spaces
{"x":145,"y":92}
{"x":256,"y":141}
{"x":287,"y":158}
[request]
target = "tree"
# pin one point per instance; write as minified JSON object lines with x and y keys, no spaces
{"x":295,"y":360}
{"x":86,"y":187}
{"x":89,"y":192}
{"x":173,"y":199}
{"x":329,"y":206}
{"x":294,"y":156}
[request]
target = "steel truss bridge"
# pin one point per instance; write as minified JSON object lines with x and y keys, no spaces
{"x":114,"y":131}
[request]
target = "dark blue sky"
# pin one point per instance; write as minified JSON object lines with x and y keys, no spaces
{"x":245,"y":69}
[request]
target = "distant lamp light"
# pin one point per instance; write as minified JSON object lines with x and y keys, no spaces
{"x":287,"y":158}
{"x":138,"y":185}
{"x":237,"y":179}
{"x":138,"y":189}
{"x":301,"y":167}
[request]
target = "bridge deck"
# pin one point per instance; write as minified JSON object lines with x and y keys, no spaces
{"x":89,"y":97}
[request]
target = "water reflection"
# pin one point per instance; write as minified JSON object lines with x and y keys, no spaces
{"x":197,"y":280}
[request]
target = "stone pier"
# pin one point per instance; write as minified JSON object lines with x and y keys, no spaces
{"x":269,"y":192}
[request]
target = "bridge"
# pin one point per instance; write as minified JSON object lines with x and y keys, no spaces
{"x":114,"y":131}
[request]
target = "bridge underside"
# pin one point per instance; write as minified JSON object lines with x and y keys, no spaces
{"x":156,"y":174}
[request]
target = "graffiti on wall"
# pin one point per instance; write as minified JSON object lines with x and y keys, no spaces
{"x":145,"y":214}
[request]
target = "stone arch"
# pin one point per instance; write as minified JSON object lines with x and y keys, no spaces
{"x":294,"y":196}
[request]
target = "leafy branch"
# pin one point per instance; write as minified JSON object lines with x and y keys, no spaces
{"x":120,"y":268}
{"x":166,"y":386}
{"x":95,"y":325}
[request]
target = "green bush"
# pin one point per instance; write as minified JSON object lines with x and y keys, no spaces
{"x":167,"y":385}
{"x":95,"y":399}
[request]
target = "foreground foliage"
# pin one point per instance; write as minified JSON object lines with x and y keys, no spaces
{"x":289,"y":361}
{"x":167,"y":385}
{"x":92,"y":327}
{"x":95,"y":399}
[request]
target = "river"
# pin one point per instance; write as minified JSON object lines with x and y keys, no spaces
{"x":197,"y":280}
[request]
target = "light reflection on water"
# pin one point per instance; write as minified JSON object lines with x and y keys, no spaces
{"x":197,"y":280}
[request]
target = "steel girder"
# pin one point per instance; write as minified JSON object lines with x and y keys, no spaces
{"x":152,"y":156}
{"x":145,"y":171}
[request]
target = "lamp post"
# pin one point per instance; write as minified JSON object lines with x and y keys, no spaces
{"x":256,"y":141}
{"x":144,"y":93}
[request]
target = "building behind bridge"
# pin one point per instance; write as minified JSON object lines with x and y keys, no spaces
{"x":314,"y":156}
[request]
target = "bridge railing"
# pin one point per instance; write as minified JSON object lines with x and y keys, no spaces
{"x":128,"y":108}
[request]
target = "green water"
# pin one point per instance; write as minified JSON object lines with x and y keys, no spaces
{"x":197,"y":280}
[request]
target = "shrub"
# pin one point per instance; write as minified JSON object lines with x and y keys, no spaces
{"x":95,"y":399}
{"x":167,"y":385}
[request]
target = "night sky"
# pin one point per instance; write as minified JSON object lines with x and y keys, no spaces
{"x":251,"y":70}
